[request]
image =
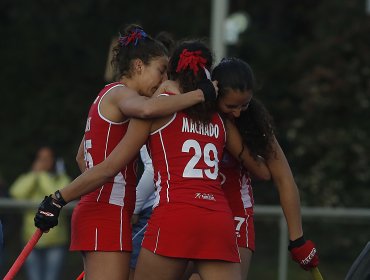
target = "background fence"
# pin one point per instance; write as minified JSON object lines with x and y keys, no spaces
{"x":325,"y":226}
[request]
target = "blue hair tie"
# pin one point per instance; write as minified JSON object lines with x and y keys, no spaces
{"x":134,"y":37}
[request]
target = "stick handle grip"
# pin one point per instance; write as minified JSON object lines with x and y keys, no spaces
{"x":316,"y":274}
{"x":23,"y":255}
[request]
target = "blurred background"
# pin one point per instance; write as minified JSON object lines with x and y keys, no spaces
{"x":312,"y":63}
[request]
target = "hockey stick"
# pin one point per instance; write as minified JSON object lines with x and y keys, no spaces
{"x":23,"y":255}
{"x":81,"y":276}
{"x":316,"y":275}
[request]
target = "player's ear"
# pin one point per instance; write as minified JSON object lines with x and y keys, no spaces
{"x":137,"y":66}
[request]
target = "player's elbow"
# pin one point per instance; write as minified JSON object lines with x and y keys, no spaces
{"x":263,"y":174}
{"x":80,"y":160}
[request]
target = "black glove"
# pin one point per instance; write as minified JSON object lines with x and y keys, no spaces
{"x":48,"y":213}
{"x":208,"y":89}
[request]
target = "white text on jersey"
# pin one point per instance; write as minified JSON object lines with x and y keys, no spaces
{"x":211,"y":130}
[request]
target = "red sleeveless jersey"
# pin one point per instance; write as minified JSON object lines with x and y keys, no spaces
{"x":236,"y":184}
{"x":101,"y":137}
{"x":186,"y":157}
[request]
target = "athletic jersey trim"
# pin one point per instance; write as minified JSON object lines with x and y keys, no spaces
{"x":101,"y":115}
{"x":223,"y":125}
{"x":167,"y":168}
{"x":165,"y":125}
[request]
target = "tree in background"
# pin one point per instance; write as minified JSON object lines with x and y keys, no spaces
{"x":312,"y":58}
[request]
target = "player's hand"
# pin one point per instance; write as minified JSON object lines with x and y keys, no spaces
{"x":304,"y":252}
{"x":209,"y":88}
{"x":48,"y":213}
{"x":168,"y":86}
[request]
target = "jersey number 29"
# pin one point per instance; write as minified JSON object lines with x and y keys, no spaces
{"x":190,"y":171}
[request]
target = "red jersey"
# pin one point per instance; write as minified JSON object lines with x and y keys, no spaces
{"x":236,"y":184}
{"x":101,"y":137}
{"x":186,"y":157}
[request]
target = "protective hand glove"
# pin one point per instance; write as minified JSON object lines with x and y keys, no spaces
{"x":48,"y":213}
{"x":304,"y":253}
{"x":208,"y":88}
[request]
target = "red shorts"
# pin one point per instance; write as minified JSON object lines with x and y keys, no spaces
{"x":191,"y":232}
{"x":100,"y":227}
{"x":244,"y":229}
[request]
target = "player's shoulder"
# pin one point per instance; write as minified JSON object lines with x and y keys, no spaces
{"x":121,"y":91}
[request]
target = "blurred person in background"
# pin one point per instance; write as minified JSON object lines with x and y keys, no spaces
{"x":46,"y":176}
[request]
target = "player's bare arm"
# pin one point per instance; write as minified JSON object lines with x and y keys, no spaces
{"x":80,"y":156}
{"x":144,"y":107}
{"x":127,"y":149}
{"x":238,"y":150}
{"x":288,"y":191}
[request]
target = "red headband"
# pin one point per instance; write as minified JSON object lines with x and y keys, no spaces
{"x":193,"y":60}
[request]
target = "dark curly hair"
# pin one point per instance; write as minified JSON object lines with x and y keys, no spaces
{"x":188,"y":80}
{"x":145,"y":49}
{"x":256,"y":126}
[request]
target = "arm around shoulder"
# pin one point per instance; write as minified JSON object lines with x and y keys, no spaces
{"x":135,"y":105}
{"x":234,"y":144}
{"x":126,"y":150}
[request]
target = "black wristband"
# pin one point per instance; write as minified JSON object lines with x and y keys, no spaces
{"x":60,"y":198}
{"x":296,"y":243}
{"x":208,"y":89}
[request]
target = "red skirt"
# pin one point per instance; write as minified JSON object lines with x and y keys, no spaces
{"x":191,"y":232}
{"x":100,"y":227}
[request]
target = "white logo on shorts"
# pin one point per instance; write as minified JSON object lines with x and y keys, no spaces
{"x":205,"y":196}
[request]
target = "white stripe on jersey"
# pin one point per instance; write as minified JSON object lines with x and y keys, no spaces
{"x":158,"y":190}
{"x":156,"y":242}
{"x":164,"y":126}
{"x":106,"y":141}
{"x":105,"y":155}
{"x":246,"y":230}
{"x":96,"y":239}
{"x":167,"y":169}
{"x":244,"y":191}
{"x":118,"y":192}
{"x":120,"y":231}
{"x":100,"y":114}
{"x":223,"y":125}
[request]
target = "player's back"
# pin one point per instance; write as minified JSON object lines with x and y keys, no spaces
{"x":186,"y":156}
